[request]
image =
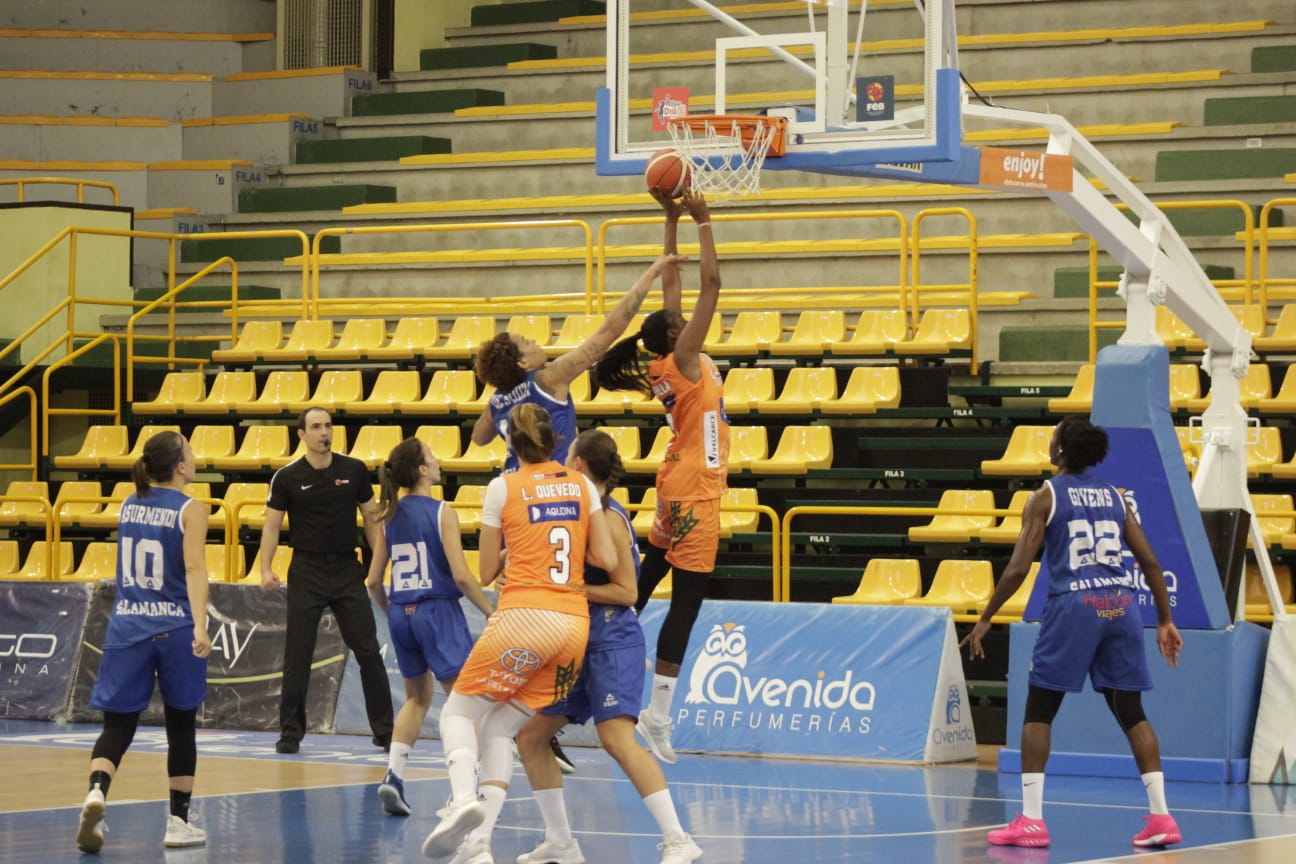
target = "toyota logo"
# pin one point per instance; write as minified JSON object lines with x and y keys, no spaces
{"x":520,"y":661}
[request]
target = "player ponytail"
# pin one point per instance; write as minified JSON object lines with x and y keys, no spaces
{"x":602,"y":462}
{"x":620,"y":368}
{"x":497,"y":363}
{"x":1083,"y":444}
{"x":400,"y":471}
{"x":531,"y":433}
{"x":157,"y":464}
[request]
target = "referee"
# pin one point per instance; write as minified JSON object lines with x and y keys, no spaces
{"x":321,"y":491}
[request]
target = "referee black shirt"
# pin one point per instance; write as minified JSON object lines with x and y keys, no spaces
{"x":321,"y":502}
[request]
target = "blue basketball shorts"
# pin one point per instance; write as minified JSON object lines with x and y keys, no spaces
{"x":127,"y":673}
{"x":610,"y":685}
{"x":1095,"y":633}
{"x":431,"y":634}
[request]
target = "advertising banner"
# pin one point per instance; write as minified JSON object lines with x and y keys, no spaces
{"x":40,"y":635}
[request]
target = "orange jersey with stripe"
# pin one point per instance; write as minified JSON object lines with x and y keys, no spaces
{"x":545,"y":522}
{"x":697,"y":461}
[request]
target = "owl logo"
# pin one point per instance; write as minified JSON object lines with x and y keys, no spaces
{"x":726,"y":645}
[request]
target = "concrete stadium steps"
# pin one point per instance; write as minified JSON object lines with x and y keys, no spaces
{"x":107,"y":94}
{"x":383,"y":149}
{"x":1072,"y":282}
{"x":209,"y":186}
{"x":423,"y":101}
{"x":281,"y":200}
{"x":250,"y":248}
{"x":1254,"y":109}
{"x":149,"y":51}
{"x":1216,"y":222}
{"x":1274,"y":58}
{"x":323,"y":92}
{"x":212,"y":292}
{"x":227,"y":16}
{"x":533,"y":12}
{"x":1051,"y":343}
{"x":130,"y":179}
{"x":106,"y":139}
{"x":1225,"y":163}
{"x":262,"y":139}
{"x":484,"y":55}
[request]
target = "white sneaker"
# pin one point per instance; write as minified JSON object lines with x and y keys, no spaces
{"x":457,"y":820}
{"x":550,"y":852}
{"x":473,"y":853}
{"x":679,"y":851}
{"x":657,"y":734}
{"x":182,"y":833}
{"x":90,"y":832}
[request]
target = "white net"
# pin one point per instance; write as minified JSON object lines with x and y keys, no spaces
{"x":725,"y":153}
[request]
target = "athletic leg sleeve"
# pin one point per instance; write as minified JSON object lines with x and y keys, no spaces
{"x":652,"y":570}
{"x":497,"y":730}
{"x":117,"y":735}
{"x":1126,"y":706}
{"x":182,"y":742}
{"x":1042,"y":704}
{"x":687,"y":594}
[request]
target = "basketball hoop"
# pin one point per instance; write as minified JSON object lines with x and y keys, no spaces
{"x":726,"y":151}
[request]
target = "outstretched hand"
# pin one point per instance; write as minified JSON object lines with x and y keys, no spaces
{"x":697,"y":206}
{"x":673,"y":207}
{"x":664,"y":261}
{"x":973,"y":640}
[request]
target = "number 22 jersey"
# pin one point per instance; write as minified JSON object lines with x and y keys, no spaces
{"x":1083,"y":538}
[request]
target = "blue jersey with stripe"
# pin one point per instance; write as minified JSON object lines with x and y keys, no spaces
{"x":1084,"y":537}
{"x":562,"y":414}
{"x":614,"y":626}
{"x":152,"y":595}
{"x":419,"y":567}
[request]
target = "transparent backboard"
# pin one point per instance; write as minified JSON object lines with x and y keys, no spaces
{"x":860,"y":83}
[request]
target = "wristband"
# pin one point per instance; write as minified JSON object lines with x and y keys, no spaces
{"x":703,"y":224}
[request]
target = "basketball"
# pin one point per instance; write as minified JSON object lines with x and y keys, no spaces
{"x":668,"y":173}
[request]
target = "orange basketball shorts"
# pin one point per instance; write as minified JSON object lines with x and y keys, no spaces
{"x":532,"y":656}
{"x":689,"y":531}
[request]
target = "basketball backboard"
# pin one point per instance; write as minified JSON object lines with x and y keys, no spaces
{"x":860,"y":83}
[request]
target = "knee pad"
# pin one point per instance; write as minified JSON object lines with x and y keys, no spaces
{"x":1126,"y":706}
{"x":497,"y":730}
{"x":116,"y":737}
{"x":182,"y":742}
{"x":1042,"y":704}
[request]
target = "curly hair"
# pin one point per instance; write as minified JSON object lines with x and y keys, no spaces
{"x":497,"y":363}
{"x":1083,"y":444}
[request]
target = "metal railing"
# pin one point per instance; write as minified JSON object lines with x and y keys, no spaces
{"x":972,"y":284}
{"x":80,"y":184}
{"x":32,"y":464}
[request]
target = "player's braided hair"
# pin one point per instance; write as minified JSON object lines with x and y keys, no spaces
{"x":1082,"y":443}
{"x":620,"y":368}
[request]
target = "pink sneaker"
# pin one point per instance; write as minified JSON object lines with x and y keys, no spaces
{"x":1021,"y":832}
{"x":1160,"y":831}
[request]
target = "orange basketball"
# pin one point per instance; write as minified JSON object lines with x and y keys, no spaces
{"x":668,"y":173}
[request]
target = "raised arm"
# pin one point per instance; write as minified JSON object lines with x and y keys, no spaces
{"x":673,"y":208}
{"x":690,"y":340}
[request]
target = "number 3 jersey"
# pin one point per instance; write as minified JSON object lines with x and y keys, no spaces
{"x":1083,"y":539}
{"x":152,"y":595}
{"x":419,"y":567}
{"x":543,"y":511}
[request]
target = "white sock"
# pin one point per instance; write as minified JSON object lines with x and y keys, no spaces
{"x":493,"y":800}
{"x":554,"y":812}
{"x":461,"y":764}
{"x":398,"y":759}
{"x":1154,"y":783}
{"x":1033,"y":795}
{"x":662,"y":808}
{"x":663,"y":693}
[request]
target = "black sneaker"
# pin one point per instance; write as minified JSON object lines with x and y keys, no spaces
{"x":564,"y":764}
{"x":287,"y":745}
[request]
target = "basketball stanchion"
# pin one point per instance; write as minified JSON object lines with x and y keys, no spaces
{"x":728,"y":150}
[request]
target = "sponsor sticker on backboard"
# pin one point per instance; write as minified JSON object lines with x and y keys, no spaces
{"x":875,"y":98}
{"x":1022,"y":169}
{"x":667,"y":104}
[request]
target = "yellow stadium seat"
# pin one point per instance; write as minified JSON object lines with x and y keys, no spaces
{"x":9,"y":560}
{"x":738,"y":521}
{"x":32,"y":512}
{"x":643,"y":519}
{"x":1255,"y":387}
{"x":281,"y":389}
{"x":1265,"y":453}
{"x":1171,"y":328}
{"x":258,"y":451}
{"x":1283,"y":402}
{"x":279,"y":564}
{"x":1027,"y":454}
{"x":443,"y":441}
{"x":878,"y":331}
{"x":480,"y":458}
{"x":611,"y":403}
{"x":333,"y":391}
{"x":466,"y":335}
{"x":753,"y":332}
{"x":111,"y":512}
{"x":1185,"y":386}
{"x":210,"y":443}
{"x":1080,"y":399}
{"x":254,"y":340}
{"x":747,"y":390}
{"x":1015,"y":606}
{"x":799,"y":449}
{"x":99,"y":561}
{"x":410,"y":338}
{"x":940,"y":331}
{"x":339,"y":445}
{"x":1273,"y":515}
{"x":374,"y":444}
{"x":228,"y":389}
{"x":747,"y":444}
{"x":220,"y":567}
{"x":178,"y":391}
{"x":627,"y":441}
{"x":537,"y":328}
{"x":36,"y":567}
{"x":960,"y":585}
{"x":304,"y":342}
{"x":145,"y":433}
{"x":1252,"y":319}
{"x":575,"y":329}
{"x":247,"y":503}
{"x":1257,"y":604}
{"x":101,"y":443}
{"x":474,"y":407}
{"x":714,"y":334}
{"x":952,"y":526}
{"x":868,"y":389}
{"x":448,"y":389}
{"x":392,"y":391}
{"x":804,"y":391}
{"x":1283,"y":337}
{"x":656,"y":455}
{"x":1010,"y":527}
{"x":886,"y":582}
{"x":579,"y":388}
{"x":814,"y":334}
{"x":68,"y":510}
{"x":467,"y":504}
{"x":359,"y":336}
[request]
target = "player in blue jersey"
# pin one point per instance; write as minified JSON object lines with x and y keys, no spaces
{"x":1091,"y":624}
{"x":429,"y":574}
{"x":157,"y":632}
{"x":610,"y":687}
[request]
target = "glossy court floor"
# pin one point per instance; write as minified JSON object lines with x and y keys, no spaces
{"x":320,"y":806}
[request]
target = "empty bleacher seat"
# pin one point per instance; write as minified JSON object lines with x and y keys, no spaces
{"x":886,"y":582}
{"x":280,"y":564}
{"x":45,"y":562}
{"x":869,"y":389}
{"x":747,"y":390}
{"x":392,"y":391}
{"x":178,"y":390}
{"x":211,"y":443}
{"x":961,"y":585}
{"x":222,"y":566}
{"x":642,"y":519}
{"x":627,"y":441}
{"x":282,"y":388}
{"x":1015,"y":606}
{"x":940,"y":331}
{"x":1273,"y":515}
{"x":804,"y":391}
{"x":574,"y":330}
{"x":1080,"y":399}
{"x":1254,"y":388}
{"x":443,"y":441}
{"x":467,"y":505}
{"x":247,"y":502}
{"x":1265,"y":453}
{"x":1010,"y":527}
{"x":358,"y":338}
{"x":799,"y":449}
{"x":537,"y":328}
{"x":877,"y":331}
{"x":71,"y":502}
{"x":98,"y":562}
{"x":478,"y":458}
{"x":753,"y":332}
{"x":1185,"y":386}
{"x":260,"y":449}
{"x":410,"y":338}
{"x":304,"y":341}
{"x":35,"y":510}
{"x":466,"y":335}
{"x":445,"y":392}
{"x":10,"y":562}
{"x":1282,"y":339}
{"x":333,"y":391}
{"x":738,"y":521}
{"x":814,"y":334}
{"x":108,"y":517}
{"x":1258,"y":606}
{"x":1026,"y":455}
{"x":951,"y":525}
{"x":228,"y":389}
{"x":374,"y":444}
{"x":254,"y":341}
{"x":747,"y":444}
{"x":100,"y":443}
{"x":656,"y":455}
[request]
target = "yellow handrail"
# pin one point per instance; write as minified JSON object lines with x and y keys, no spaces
{"x":537,"y":224}
{"x":49,"y":523}
{"x":1264,"y":251}
{"x":242,"y":235}
{"x":115,"y":411}
{"x":972,"y":270}
{"x":5,"y":399}
{"x":80,"y":185}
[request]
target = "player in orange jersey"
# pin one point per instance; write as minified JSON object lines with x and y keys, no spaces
{"x":529,"y":655}
{"x":693,"y":477}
